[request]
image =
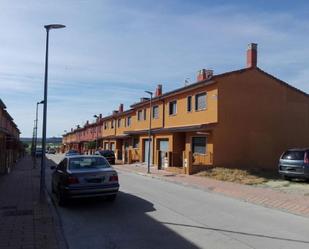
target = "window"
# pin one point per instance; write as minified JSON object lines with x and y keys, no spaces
{"x":85,"y":163}
{"x":200,"y":101}
{"x":155,"y":112}
{"x":199,"y":145}
{"x":105,"y":125}
{"x":119,"y":123}
{"x":294,"y":155}
{"x":139,"y":115}
{"x":189,"y":103}
{"x":129,"y":121}
{"x":173,"y":107}
{"x":112,"y":124}
{"x":145,"y":114}
{"x":135,"y":142}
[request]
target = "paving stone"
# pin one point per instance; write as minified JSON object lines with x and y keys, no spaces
{"x":23,"y":218}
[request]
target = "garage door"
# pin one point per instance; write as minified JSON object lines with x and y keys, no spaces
{"x":146,"y":146}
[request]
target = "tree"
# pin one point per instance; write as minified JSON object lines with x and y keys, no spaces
{"x":90,"y":145}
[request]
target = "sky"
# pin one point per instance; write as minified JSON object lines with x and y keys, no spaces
{"x":111,"y":51}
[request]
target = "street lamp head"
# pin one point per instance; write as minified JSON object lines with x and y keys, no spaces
{"x":54,"y":26}
{"x":95,"y":116}
{"x":151,"y":93}
{"x":41,"y":102}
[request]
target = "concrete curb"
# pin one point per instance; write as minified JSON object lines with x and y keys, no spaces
{"x":62,"y":241}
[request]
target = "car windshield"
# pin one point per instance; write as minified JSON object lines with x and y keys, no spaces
{"x":88,"y":162}
{"x":294,"y":155}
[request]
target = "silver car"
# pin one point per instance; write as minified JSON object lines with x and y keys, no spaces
{"x":294,"y":163}
{"x":84,"y":176}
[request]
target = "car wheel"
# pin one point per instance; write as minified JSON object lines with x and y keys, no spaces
{"x":111,"y":197}
{"x":62,"y":200}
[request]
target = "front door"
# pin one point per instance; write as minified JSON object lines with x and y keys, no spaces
{"x":126,"y":151}
{"x":119,"y":149}
{"x":112,"y":146}
{"x":106,"y":146}
{"x":163,"y":147}
{"x":146,"y":147}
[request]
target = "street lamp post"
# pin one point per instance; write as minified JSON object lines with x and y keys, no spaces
{"x":96,"y":129}
{"x":149,"y":131}
{"x":64,"y":144}
{"x":43,"y":160}
{"x":33,"y":138}
{"x":36,"y":124}
{"x":35,"y":142}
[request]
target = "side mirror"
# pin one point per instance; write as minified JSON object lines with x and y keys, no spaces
{"x":52,"y":167}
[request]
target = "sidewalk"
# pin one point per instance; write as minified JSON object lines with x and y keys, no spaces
{"x":25,"y":223}
{"x":292,"y":203}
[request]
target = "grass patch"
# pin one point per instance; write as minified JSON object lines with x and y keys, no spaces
{"x":233,"y":175}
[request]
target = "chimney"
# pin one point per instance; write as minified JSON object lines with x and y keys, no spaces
{"x":71,"y":129}
{"x":252,"y":55}
{"x":158,"y":90}
{"x":100,"y":116}
{"x":204,"y":74}
{"x":87,"y":123}
{"x":120,"y":108}
{"x":209,"y":73}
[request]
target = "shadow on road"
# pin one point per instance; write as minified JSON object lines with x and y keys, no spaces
{"x":124,"y":223}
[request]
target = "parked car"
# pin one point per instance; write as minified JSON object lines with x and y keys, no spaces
{"x":108,"y":154}
{"x":294,"y":163}
{"x":38,"y":152}
{"x":72,"y":153}
{"x":84,"y":176}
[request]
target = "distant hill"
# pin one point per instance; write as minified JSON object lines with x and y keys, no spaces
{"x":53,"y":140}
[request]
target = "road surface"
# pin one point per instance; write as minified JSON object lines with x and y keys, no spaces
{"x":154,"y":214}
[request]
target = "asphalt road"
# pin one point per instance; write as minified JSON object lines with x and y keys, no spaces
{"x":150,"y":213}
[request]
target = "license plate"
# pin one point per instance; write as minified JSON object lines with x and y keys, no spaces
{"x":95,"y":180}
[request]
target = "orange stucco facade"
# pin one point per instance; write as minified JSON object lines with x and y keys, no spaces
{"x":259,"y":118}
{"x":10,"y":145}
{"x":243,"y":119}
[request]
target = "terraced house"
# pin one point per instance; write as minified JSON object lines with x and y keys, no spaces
{"x":244,"y":118}
{"x":10,"y":147}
